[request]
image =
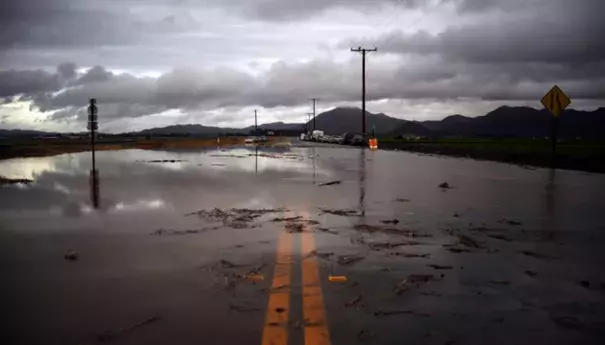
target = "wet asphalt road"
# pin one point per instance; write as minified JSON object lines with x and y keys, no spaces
{"x":505,"y":255}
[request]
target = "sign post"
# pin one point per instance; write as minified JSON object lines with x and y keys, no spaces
{"x":555,"y":101}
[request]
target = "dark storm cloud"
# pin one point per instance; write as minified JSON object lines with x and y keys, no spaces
{"x":14,"y":82}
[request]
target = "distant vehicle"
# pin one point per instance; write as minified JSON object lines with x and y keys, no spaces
{"x":316,"y":135}
{"x":347,"y":138}
{"x":337,"y":139}
{"x":303,"y":136}
{"x":250,"y":140}
{"x":357,"y":140}
{"x":262,"y":139}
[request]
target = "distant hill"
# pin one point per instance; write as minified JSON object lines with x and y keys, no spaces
{"x":345,"y":119}
{"x":523,"y":122}
{"x":277,"y":126}
{"x":197,"y":130}
{"x":502,"y":122}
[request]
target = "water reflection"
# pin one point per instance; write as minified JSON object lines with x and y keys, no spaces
{"x":94,"y":188}
{"x":362,"y":182}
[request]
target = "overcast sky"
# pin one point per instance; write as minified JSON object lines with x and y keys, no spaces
{"x":153,"y":63}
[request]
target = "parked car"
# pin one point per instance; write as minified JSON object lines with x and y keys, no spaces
{"x":316,"y":135}
{"x":250,"y":140}
{"x":337,"y":139}
{"x":347,"y":138}
{"x":263,"y":139}
{"x":357,"y":140}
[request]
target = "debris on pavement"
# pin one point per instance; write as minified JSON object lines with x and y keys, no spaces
{"x":455,"y":249}
{"x":340,"y":212}
{"x":585,"y":283}
{"x":445,"y":185}
{"x":431,"y":293}
{"x":329,"y":183}
{"x":380,"y":312}
{"x":354,"y":302}
{"x":389,"y":245}
{"x":467,"y":241}
{"x":114,"y":334}
{"x":364,"y":334}
{"x":509,"y":222}
{"x":402,"y":200}
{"x":500,"y":237}
{"x":411,"y":255}
{"x":441,"y":267}
{"x":500,"y":282}
{"x":333,"y":232}
{"x":535,"y":255}
{"x":294,"y":227}
{"x":71,"y":255}
{"x":286,"y":219}
{"x":349,"y":259}
{"x":456,"y":215}
{"x":161,"y":232}
{"x":164,"y":161}
{"x":531,"y":273}
{"x":237,"y":218}
{"x":325,"y":256}
{"x":413,"y":280}
{"x":244,"y":309}
{"x":4,"y":180}
{"x":390,"y":221}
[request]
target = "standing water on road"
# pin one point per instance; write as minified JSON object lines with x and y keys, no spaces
{"x":184,"y":247}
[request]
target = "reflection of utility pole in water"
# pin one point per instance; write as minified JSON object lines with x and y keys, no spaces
{"x":313,"y":159}
{"x":256,"y":160}
{"x":94,"y":173}
{"x":362,"y":182}
{"x":550,"y":225}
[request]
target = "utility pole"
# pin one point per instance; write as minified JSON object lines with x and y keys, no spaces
{"x":363,"y":52}
{"x":255,"y":123}
{"x":309,"y":122}
{"x":314,"y":100}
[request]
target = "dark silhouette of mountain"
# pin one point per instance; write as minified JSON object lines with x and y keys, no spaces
{"x":346,"y":120}
{"x":184,"y":129}
{"x":13,"y":133}
{"x":278,"y":126}
{"x":410,"y":128}
{"x":523,"y":122}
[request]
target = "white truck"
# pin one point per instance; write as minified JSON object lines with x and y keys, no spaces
{"x":316,"y":135}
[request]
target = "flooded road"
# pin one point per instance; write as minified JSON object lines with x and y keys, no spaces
{"x":299,"y":245}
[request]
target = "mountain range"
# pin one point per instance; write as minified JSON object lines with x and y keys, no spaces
{"x":502,"y":122}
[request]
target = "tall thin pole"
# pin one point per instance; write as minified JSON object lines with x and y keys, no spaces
{"x":314,"y":124}
{"x":363,"y":52}
{"x":255,"y":122}
{"x":309,"y":122}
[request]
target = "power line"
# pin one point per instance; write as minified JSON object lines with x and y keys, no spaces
{"x":363,"y":52}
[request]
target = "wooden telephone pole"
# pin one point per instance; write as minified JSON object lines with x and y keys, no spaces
{"x":363,"y":52}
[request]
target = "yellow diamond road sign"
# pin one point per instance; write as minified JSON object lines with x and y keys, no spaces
{"x":555,"y":100}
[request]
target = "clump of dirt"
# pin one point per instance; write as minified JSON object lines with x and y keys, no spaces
{"x":349,"y":259}
{"x":509,"y":222}
{"x":237,"y":218}
{"x":390,"y":245}
{"x":340,"y":212}
{"x":4,"y":180}
{"x":412,"y":281}
{"x":329,"y":183}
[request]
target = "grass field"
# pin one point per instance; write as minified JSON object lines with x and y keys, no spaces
{"x":588,"y":155}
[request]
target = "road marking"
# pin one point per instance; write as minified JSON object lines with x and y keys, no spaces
{"x":316,"y":328}
{"x":276,"y":321}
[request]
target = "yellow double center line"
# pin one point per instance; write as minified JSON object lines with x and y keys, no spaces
{"x":275,"y":331}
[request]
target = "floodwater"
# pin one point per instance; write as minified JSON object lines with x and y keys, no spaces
{"x":504,"y":255}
